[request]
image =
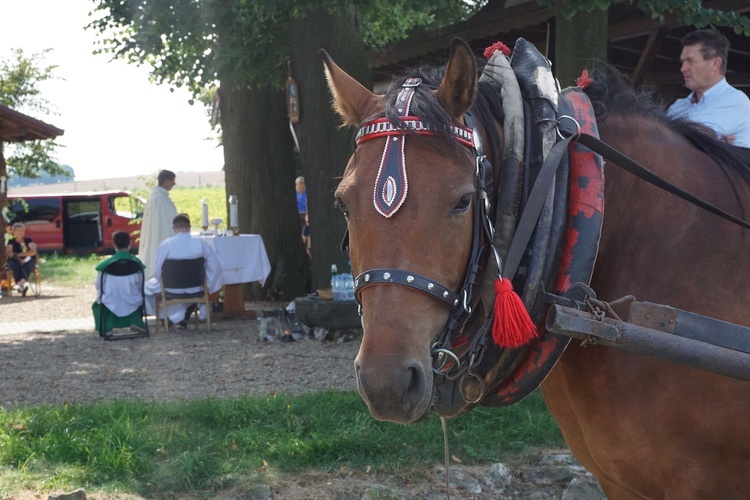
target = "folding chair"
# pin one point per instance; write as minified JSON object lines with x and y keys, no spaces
{"x":182,"y":274}
{"x":35,"y":280}
{"x":106,"y":321}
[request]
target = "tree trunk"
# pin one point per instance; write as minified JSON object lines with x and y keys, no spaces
{"x":579,"y":42}
{"x":324,"y":146}
{"x":259,"y":169}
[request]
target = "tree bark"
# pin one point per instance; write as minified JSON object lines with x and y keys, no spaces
{"x":324,"y":147}
{"x":259,"y":169}
{"x":579,"y":42}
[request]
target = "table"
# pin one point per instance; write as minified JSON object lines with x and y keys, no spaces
{"x":243,"y":260}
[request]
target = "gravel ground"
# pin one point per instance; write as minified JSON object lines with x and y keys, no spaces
{"x":78,"y":366}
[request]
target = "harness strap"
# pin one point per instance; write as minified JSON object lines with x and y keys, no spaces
{"x":647,"y":175}
{"x":539,"y":192}
{"x":407,"y":279}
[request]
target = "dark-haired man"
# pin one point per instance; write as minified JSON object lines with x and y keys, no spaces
{"x":712,"y":101}
{"x":122,"y":296}
{"x":157,"y":219}
{"x":178,"y":247}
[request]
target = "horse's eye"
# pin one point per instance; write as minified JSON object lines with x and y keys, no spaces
{"x":341,"y":206}
{"x":463,"y":204}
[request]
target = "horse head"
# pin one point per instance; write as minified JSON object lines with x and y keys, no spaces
{"x":408,"y":194}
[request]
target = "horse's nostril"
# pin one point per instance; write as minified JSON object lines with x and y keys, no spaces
{"x":415,"y":380}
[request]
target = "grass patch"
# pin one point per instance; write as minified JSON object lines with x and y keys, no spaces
{"x":69,"y":270}
{"x":188,"y":201}
{"x":208,"y":445}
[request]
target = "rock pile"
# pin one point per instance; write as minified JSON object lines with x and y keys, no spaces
{"x":556,"y":476}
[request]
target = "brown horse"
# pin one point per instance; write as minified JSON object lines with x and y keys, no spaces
{"x":647,"y":428}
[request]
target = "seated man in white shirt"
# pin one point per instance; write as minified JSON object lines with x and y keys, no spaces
{"x":122,"y":296}
{"x":182,"y":246}
{"x":713,"y":102}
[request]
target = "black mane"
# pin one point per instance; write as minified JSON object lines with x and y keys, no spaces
{"x":611,"y":93}
{"x":486,"y":108}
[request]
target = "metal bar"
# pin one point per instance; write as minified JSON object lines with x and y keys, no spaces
{"x":690,"y":325}
{"x":642,"y":340}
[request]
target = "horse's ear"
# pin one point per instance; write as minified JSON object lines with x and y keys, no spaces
{"x":457,"y":90}
{"x":351,"y":100}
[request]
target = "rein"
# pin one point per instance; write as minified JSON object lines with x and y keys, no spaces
{"x":456,"y":355}
{"x":635,"y":168}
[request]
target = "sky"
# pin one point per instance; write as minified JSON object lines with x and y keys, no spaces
{"x":116,"y":123}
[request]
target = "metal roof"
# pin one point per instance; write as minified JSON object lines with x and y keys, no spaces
{"x":17,"y":127}
{"x":644,"y":49}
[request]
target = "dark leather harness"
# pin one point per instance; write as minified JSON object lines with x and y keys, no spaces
{"x":539,"y":248}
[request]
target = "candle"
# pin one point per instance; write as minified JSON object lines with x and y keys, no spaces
{"x":204,"y":221}
{"x":233,"y":213}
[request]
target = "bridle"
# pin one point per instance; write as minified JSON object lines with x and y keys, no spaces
{"x":445,"y":360}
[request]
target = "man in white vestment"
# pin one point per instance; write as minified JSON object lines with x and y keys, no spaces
{"x":157,"y":220}
{"x":178,"y":247}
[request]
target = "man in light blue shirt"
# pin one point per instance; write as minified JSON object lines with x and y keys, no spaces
{"x":712,"y":102}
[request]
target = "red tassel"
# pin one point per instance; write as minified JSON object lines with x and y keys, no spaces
{"x":512,"y":326}
{"x":494,"y":47}
{"x":584,"y":80}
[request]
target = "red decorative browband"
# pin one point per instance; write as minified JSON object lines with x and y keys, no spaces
{"x":392,"y":183}
{"x":382,"y":127}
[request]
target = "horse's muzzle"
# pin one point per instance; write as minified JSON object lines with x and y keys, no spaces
{"x":394,"y":389}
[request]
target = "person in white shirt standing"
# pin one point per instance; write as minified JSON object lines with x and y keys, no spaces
{"x":182,"y":246}
{"x":712,"y":101}
{"x":157,"y":220}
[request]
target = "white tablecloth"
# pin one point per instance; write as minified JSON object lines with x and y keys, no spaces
{"x":243,"y":258}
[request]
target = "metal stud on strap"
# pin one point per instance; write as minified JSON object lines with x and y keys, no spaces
{"x":407,"y":279}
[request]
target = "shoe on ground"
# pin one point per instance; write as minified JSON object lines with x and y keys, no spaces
{"x":17,"y":287}
{"x":182,"y":325}
{"x":25,"y":289}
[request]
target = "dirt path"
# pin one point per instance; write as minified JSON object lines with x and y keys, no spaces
{"x":229,"y":362}
{"x":68,"y":366}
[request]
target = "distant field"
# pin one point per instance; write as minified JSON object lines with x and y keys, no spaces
{"x":133,"y":183}
{"x":188,"y":201}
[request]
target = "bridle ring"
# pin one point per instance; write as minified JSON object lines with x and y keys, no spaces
{"x":578,"y":127}
{"x":448,"y":354}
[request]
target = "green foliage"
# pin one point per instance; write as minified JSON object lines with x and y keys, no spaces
{"x":690,"y":12}
{"x":206,"y":445}
{"x":387,"y":21}
{"x":194,"y":43}
{"x":21,"y":76}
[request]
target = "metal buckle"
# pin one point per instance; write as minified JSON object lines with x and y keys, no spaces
{"x":575,"y":135}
